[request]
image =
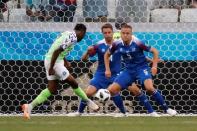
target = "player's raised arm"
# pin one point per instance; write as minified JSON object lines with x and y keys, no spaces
{"x":91,"y":51}
{"x":106,"y":60}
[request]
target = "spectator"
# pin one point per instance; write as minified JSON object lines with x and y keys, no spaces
{"x":192,"y":3}
{"x":95,"y":10}
{"x":3,"y":8}
{"x":61,"y":10}
{"x":178,"y":4}
{"x":155,"y":4}
{"x":33,"y":9}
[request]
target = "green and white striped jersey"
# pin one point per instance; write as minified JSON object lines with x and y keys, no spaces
{"x":65,"y":41}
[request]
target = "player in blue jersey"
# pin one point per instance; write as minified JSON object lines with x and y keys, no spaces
{"x":132,"y":52}
{"x":99,"y":80}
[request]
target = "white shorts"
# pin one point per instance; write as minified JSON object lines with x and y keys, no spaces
{"x":61,"y":73}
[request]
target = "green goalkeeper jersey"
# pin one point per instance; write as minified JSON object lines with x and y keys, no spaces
{"x":116,"y":35}
{"x":65,"y":41}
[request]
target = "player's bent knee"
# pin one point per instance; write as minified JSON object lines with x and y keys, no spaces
{"x":72,"y":82}
{"x":52,"y":90}
{"x":89,"y":94}
{"x":134,"y":90}
{"x":52,"y":86}
{"x":148,"y":84}
{"x":150,"y":90}
{"x":114,"y":89}
{"x":91,"y":90}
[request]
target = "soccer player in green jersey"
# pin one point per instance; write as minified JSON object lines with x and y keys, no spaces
{"x":55,"y":69}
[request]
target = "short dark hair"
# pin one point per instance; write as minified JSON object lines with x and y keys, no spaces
{"x":126,"y":26}
{"x":80,"y":27}
{"x":119,"y":25}
{"x":107,"y":25}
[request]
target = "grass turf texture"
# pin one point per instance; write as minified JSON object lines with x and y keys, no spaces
{"x":62,"y":123}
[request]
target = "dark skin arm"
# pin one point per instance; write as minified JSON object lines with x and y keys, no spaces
{"x":67,"y":64}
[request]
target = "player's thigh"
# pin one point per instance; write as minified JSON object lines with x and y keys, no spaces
{"x":61,"y":71}
{"x":148,"y":85}
{"x":134,"y":89}
{"x":49,"y":77}
{"x":99,"y":82}
{"x":125,"y":79}
{"x":91,"y":90}
{"x":71,"y":81}
{"x":143,"y":74}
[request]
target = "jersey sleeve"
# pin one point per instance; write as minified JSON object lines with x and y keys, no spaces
{"x":142,"y":45}
{"x":69,"y":40}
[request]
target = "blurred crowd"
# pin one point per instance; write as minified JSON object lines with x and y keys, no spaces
{"x":94,"y":10}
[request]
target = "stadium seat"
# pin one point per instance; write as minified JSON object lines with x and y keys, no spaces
{"x":188,"y":15}
{"x":164,"y":15}
{"x":18,"y":15}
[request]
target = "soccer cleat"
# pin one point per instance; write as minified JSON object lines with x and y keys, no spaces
{"x":120,"y":115}
{"x":26,"y":111}
{"x":171,"y":112}
{"x":92,"y":105}
{"x":154,"y":114}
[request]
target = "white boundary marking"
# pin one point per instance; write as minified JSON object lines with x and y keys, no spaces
{"x":95,"y":114}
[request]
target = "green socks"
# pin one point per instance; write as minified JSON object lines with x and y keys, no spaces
{"x":42,"y":97}
{"x":81,"y":93}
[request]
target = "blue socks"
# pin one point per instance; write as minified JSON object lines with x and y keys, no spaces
{"x":142,"y":98}
{"x":145,"y":102}
{"x":158,"y":97}
{"x":82,"y":106}
{"x":117,"y":99}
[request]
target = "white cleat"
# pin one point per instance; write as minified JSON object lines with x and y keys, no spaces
{"x":171,"y":112}
{"x":92,"y":105}
{"x":74,"y":114}
{"x":120,"y":115}
{"x":154,"y":114}
{"x":26,"y":111}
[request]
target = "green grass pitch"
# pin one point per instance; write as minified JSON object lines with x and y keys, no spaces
{"x":63,"y":123}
